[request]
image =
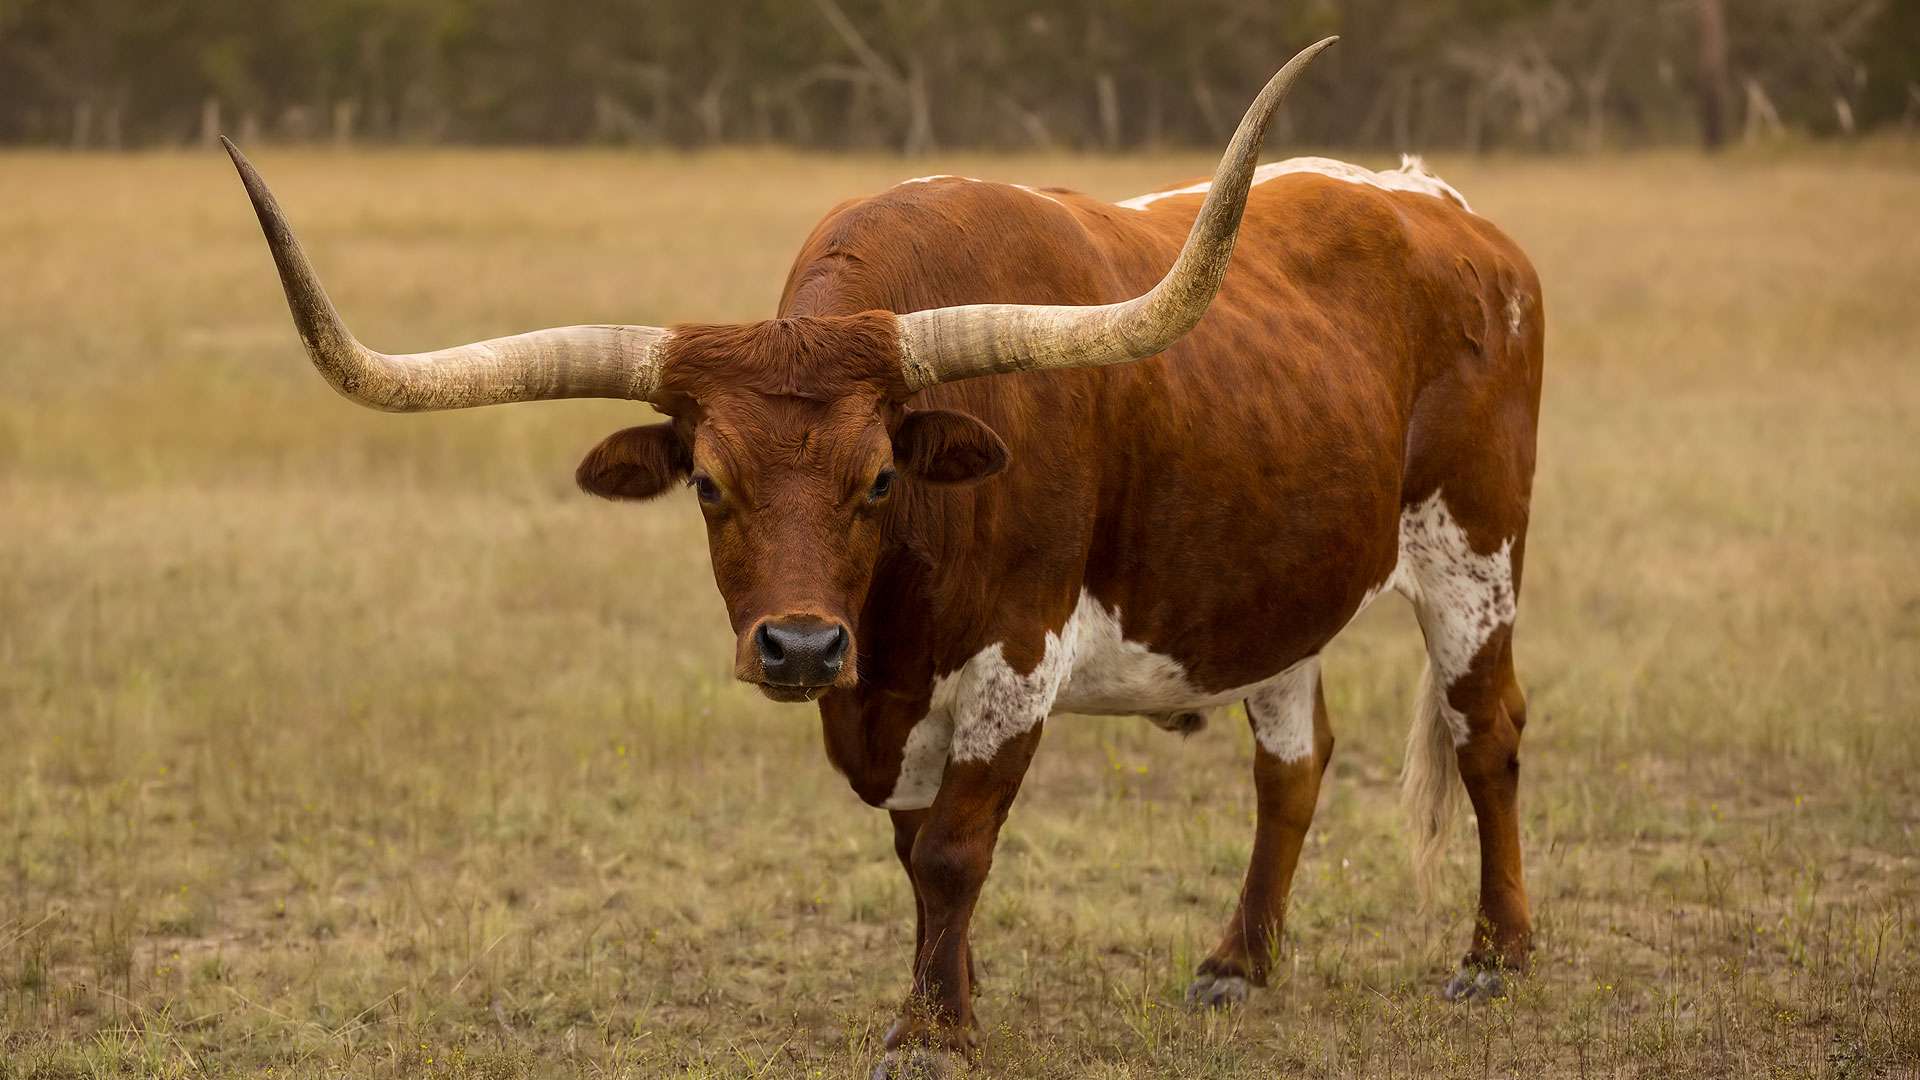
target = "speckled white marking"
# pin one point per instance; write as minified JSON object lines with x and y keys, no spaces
{"x":1412,"y":175}
{"x":1461,"y":596}
{"x":1282,"y":711}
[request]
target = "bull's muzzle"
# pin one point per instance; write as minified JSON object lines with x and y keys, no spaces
{"x":800,"y":656}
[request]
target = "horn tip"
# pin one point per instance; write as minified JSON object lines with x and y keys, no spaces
{"x":239,"y":159}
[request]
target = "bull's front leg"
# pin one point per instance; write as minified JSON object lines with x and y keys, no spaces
{"x":951,"y":851}
{"x":906,"y":827}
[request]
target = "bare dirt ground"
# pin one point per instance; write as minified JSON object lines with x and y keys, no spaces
{"x":334,"y":743}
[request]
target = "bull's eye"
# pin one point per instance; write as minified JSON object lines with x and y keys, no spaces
{"x":882,"y":484}
{"x":706,"y":489}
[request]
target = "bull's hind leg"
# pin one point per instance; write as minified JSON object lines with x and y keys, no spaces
{"x":1489,"y":763}
{"x":1292,"y":745}
{"x":1465,"y":584}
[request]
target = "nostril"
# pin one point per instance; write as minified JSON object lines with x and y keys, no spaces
{"x":804,"y":651}
{"x":770,"y":650}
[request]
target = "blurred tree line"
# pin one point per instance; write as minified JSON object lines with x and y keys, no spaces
{"x":912,"y":75}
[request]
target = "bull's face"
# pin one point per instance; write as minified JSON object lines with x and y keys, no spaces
{"x":803,"y":492}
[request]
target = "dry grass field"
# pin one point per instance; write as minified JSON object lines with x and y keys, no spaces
{"x":334,"y":743}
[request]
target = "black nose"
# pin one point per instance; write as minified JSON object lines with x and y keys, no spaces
{"x":801,"y":652}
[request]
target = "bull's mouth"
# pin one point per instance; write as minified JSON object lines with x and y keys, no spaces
{"x":792,"y":694}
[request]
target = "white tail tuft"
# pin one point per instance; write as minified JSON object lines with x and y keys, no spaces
{"x":1429,"y":781}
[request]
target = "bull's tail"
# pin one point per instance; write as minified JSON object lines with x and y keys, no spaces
{"x":1429,"y":781}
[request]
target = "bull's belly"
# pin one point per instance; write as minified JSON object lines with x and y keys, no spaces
{"x":1089,"y":667}
{"x":1111,"y":676}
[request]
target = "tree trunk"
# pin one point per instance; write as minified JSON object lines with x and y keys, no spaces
{"x":1595,"y":86}
{"x":210,"y":121}
{"x":1763,"y":120}
{"x":345,"y":113}
{"x":1712,"y":76}
{"x":709,"y":109}
{"x":1156,"y":116}
{"x":1403,"y":115}
{"x":1209,"y":107}
{"x":919,"y":140}
{"x":1109,"y":98}
{"x":1476,"y":119}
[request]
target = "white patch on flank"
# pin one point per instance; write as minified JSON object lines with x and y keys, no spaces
{"x":1516,"y":312}
{"x":1112,"y":676}
{"x":1412,"y":175}
{"x":1461,"y":597}
{"x":1282,"y":711}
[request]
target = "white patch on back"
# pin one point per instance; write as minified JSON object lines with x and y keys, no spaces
{"x":1461,"y":597}
{"x":1282,"y":711}
{"x":1412,"y":175}
{"x":1516,"y":312}
{"x":973,"y":180}
{"x":1041,"y":194}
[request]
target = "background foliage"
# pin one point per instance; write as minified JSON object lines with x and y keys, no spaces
{"x":915,"y":75}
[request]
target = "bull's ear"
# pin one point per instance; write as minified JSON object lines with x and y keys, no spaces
{"x":637,"y":463}
{"x":944,"y":447}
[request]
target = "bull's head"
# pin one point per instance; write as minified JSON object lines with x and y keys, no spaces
{"x":793,"y":433}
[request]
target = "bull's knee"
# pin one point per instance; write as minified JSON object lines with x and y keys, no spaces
{"x":1323,"y":748}
{"x":1515,"y":703}
{"x":948,"y":867}
{"x":1490,"y":760}
{"x":906,"y":827}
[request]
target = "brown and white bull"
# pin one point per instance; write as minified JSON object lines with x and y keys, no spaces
{"x":988,"y":464}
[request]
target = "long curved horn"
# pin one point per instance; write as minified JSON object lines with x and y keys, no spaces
{"x":566,"y":362}
{"x":944,"y":344}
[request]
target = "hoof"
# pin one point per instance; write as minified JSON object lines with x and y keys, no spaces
{"x":918,"y":1063}
{"x":1216,"y":991}
{"x":1475,"y":984}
